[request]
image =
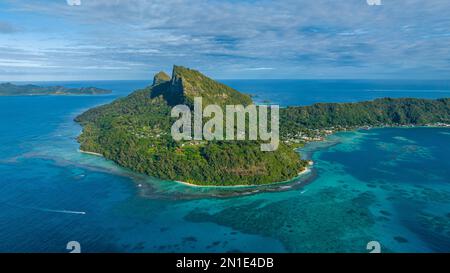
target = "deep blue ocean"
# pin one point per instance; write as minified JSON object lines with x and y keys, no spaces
{"x":388,"y":185}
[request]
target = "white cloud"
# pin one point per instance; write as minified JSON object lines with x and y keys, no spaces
{"x":258,"y":68}
{"x":225,"y":36}
{"x":74,"y":2}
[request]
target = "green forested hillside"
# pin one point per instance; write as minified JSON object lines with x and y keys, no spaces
{"x":135,"y":132}
{"x":380,"y":112}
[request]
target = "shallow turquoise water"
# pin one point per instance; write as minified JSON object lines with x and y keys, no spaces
{"x":389,"y":185}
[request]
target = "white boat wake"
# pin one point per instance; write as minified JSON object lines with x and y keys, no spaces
{"x":61,"y":211}
{"x":48,"y":210}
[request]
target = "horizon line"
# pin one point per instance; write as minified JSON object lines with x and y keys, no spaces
{"x":238,"y":79}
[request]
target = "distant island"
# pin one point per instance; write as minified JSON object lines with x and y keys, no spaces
{"x":9,"y":89}
{"x":135,"y":131}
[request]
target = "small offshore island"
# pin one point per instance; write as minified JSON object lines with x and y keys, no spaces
{"x":134,"y":131}
{"x":9,"y":89}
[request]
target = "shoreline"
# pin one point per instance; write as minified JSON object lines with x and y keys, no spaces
{"x":90,"y":153}
{"x":307,"y":169}
{"x":300,"y":174}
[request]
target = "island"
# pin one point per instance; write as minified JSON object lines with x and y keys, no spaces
{"x":9,"y":89}
{"x":134,"y":131}
{"x":313,"y":123}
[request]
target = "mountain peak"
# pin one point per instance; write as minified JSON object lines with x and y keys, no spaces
{"x":180,"y":71}
{"x":186,"y":84}
{"x":160,"y":77}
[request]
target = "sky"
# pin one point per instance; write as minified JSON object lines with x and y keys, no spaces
{"x":52,"y":40}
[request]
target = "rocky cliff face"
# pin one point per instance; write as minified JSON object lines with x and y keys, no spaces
{"x":186,"y":84}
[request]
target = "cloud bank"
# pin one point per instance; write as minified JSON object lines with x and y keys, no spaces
{"x":131,"y":39}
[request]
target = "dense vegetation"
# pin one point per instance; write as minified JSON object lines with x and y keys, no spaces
{"x":9,"y":89}
{"x":380,"y":112}
{"x":135,"y":132}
